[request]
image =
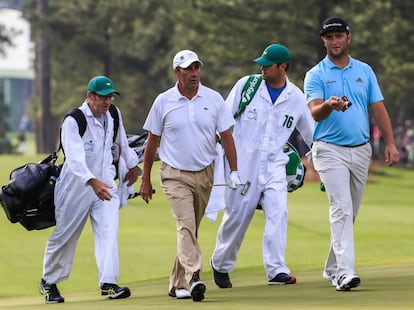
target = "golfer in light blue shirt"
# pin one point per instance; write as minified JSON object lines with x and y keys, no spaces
{"x":339,"y":91}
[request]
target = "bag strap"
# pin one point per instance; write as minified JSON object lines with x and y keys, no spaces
{"x":248,"y":92}
{"x":50,"y":158}
{"x":80,"y":118}
{"x":114,"y":113}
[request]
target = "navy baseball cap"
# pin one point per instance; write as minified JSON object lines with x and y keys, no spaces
{"x":334,"y":24}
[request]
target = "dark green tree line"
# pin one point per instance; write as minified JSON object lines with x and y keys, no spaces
{"x":133,"y":41}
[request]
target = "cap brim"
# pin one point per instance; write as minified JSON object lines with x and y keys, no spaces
{"x":333,"y":29}
{"x":263,"y":62}
{"x":188,"y":63}
{"x":108,"y":91}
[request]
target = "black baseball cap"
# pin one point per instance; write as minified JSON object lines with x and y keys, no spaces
{"x":334,"y":24}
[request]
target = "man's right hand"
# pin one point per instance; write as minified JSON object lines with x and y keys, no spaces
{"x":235,"y":181}
{"x":100,"y":188}
{"x":146,"y":191}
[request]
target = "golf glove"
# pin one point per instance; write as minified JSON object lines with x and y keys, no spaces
{"x":234,"y":180}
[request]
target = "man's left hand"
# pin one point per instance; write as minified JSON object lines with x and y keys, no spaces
{"x":132,"y":176}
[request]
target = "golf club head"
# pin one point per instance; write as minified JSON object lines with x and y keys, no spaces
{"x":245,"y":188}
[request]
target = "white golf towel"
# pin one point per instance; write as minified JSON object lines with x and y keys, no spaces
{"x":123,"y":190}
{"x":216,"y":201}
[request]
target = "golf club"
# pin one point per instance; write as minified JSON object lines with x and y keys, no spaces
{"x":244,"y":189}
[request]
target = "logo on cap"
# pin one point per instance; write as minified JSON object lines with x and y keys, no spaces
{"x":334,"y":24}
{"x":274,"y":53}
{"x":185,"y":58}
{"x":101,"y":85}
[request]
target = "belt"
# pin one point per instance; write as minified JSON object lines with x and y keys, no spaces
{"x":193,"y":171}
{"x":357,"y":145}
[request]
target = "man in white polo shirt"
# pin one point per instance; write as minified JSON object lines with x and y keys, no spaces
{"x":183,"y":122}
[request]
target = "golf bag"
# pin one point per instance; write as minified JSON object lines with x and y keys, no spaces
{"x":138,"y":143}
{"x":28,"y":197}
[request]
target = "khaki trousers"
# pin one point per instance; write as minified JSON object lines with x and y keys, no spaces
{"x":188,"y":193}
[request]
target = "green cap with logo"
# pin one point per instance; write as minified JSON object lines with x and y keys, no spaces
{"x":274,"y":54}
{"x":102,"y":85}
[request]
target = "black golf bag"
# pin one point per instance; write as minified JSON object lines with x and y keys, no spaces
{"x":28,"y":197}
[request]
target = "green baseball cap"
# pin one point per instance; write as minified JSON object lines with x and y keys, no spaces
{"x":102,"y":85}
{"x":274,"y":54}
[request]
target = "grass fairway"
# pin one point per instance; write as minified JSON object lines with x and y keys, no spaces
{"x":385,"y":255}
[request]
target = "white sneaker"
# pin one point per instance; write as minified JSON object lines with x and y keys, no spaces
{"x":330,"y":277}
{"x":179,"y":293}
{"x":182,"y":293}
{"x":345,"y":283}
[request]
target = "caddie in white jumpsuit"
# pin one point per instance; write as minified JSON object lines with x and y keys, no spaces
{"x":86,"y":188}
{"x":277,"y":108}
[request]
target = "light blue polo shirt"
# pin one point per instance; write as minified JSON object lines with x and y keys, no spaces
{"x":358,"y":82}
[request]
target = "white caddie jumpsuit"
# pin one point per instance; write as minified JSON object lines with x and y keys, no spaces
{"x":259,"y":135}
{"x":85,"y":158}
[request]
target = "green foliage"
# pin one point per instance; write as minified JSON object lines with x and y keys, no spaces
{"x":134,"y":41}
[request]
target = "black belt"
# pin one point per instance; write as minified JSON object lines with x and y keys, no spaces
{"x":347,"y":145}
{"x":355,"y":145}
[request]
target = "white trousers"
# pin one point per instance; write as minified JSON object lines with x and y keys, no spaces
{"x":344,"y":172}
{"x":73,"y":207}
{"x":238,"y":214}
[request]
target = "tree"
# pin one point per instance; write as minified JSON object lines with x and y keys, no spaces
{"x":396,"y":58}
{"x":45,"y":123}
{"x":5,"y":146}
{"x":133,"y":41}
{"x":122,"y":39}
